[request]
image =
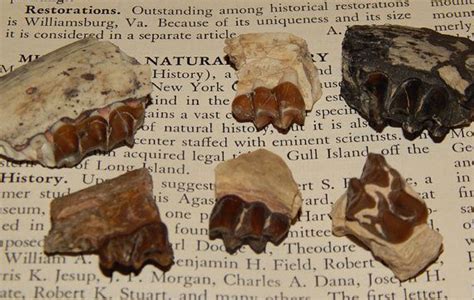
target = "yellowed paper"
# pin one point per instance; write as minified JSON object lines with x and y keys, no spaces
{"x":189,"y":129}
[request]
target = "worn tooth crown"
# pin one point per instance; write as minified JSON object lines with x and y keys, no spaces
{"x":414,"y":78}
{"x":278,"y":81}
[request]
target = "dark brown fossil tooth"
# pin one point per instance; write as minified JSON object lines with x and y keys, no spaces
{"x":253,"y":222}
{"x":414,"y":78}
{"x":117,"y":219}
{"x":225,"y":216}
{"x":257,"y":200}
{"x":278,"y":228}
{"x":406,"y":100}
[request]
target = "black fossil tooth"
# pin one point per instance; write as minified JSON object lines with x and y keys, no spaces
{"x":414,"y":78}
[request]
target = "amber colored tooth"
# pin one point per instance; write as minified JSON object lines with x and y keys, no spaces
{"x":225,"y":216}
{"x":266,"y":107}
{"x":137,"y":114}
{"x":121,"y":127}
{"x":253,"y":221}
{"x":292,"y":106}
{"x":66,"y":142}
{"x":277,"y":228}
{"x":394,"y":229}
{"x":92,"y":134}
{"x":242,"y":108}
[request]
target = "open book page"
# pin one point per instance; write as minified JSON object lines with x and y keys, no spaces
{"x":189,"y":129}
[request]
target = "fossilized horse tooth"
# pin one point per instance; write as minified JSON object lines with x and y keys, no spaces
{"x":257,"y":199}
{"x":83,"y":97}
{"x":381,"y":210}
{"x":415,"y":78}
{"x":117,"y":219}
{"x":278,"y":81}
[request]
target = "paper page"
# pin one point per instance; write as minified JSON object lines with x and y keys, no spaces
{"x":189,"y":129}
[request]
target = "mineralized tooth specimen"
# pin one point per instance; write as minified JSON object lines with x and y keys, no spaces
{"x":381,"y":210}
{"x":278,"y":81}
{"x":117,"y":219}
{"x":84,"y":97}
{"x":257,"y":200}
{"x":415,"y":78}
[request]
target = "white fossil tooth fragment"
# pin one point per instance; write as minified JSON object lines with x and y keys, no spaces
{"x":278,"y":81}
{"x":83,"y":97}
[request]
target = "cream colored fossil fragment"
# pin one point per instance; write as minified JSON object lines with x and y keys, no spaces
{"x":381,"y":210}
{"x":257,"y":200}
{"x":278,"y":81}
{"x":83,"y":97}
